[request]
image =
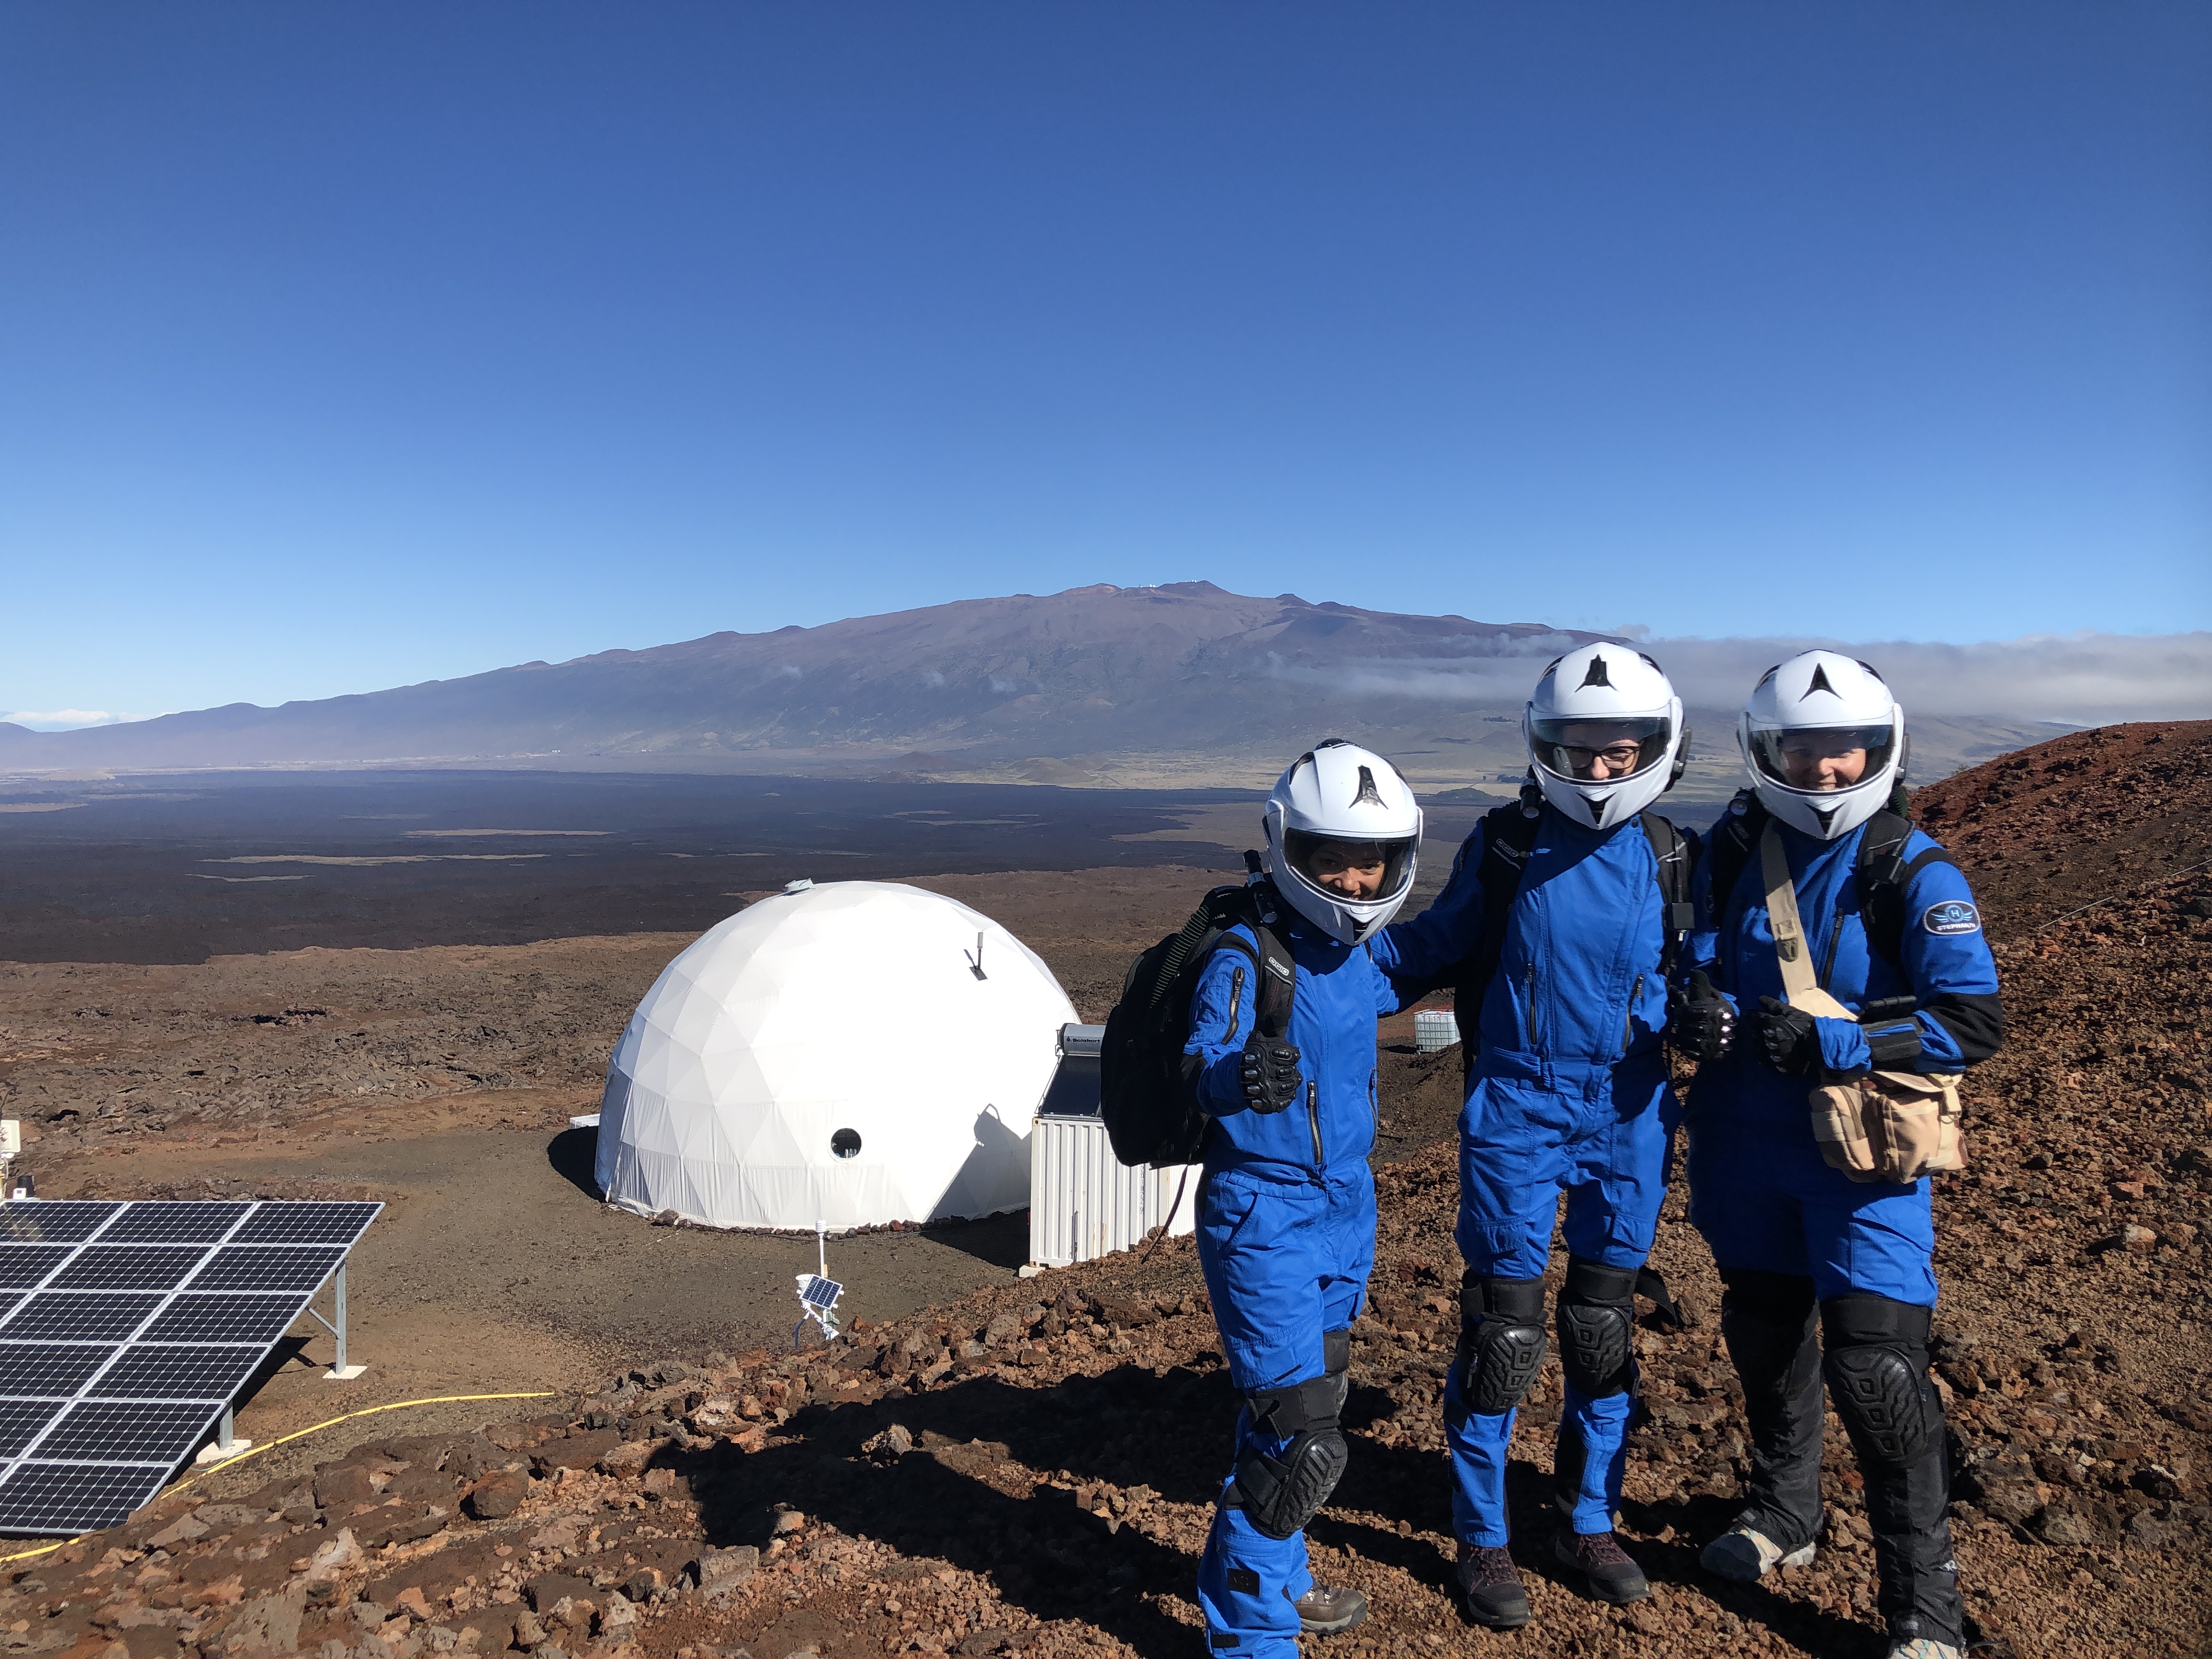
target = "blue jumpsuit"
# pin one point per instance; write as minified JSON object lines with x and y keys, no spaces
{"x":1285,"y":1233}
{"x":1759,"y":1190}
{"x":1801,"y":1245}
{"x":1568,"y":1091}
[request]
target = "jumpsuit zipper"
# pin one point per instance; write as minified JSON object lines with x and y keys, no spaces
{"x":1528,"y":1003}
{"x":1313,"y":1122}
{"x":1236,"y":998}
{"x":1627,"y":1028}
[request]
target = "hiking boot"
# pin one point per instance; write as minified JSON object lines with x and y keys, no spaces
{"x":1328,"y":1608}
{"x":1614,"y":1576}
{"x":1746,"y":1555}
{"x":1491,"y":1587}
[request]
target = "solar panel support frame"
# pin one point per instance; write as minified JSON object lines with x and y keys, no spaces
{"x":225,"y":1444}
{"x":340,"y":1371}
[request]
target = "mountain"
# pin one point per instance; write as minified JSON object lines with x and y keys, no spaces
{"x":1183,"y":683}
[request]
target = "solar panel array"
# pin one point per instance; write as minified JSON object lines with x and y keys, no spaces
{"x":125,"y":1329}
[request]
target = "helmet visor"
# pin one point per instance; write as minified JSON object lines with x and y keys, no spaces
{"x":1600,"y":750}
{"x":1352,"y":871}
{"x":1819,"y":758}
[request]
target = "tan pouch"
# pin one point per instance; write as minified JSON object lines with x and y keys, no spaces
{"x":1884,"y":1125}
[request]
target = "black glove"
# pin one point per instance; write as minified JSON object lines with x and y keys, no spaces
{"x":1790,"y":1037}
{"x":1269,"y":1073}
{"x":1703,"y":1022}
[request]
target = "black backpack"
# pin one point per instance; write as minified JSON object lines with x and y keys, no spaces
{"x":1148,"y":1087}
{"x":1884,"y":873}
{"x":1509,"y":837}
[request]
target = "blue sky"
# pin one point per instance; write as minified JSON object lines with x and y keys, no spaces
{"x":341,"y":347}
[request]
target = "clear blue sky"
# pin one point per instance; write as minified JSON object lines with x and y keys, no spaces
{"x":345,"y":346}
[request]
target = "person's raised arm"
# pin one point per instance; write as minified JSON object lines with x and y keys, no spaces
{"x":1420,"y":955}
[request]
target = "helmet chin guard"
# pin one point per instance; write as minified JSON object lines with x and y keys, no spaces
{"x":1822,"y":704}
{"x":1605,"y":698}
{"x":1338,"y":791}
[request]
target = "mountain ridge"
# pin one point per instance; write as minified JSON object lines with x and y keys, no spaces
{"x":1182,"y":682}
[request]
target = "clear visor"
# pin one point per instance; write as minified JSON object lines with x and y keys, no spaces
{"x":1599,"y":751}
{"x":1356,"y":871}
{"x":1822,"y":757}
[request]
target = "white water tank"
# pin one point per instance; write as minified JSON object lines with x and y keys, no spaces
{"x":1084,"y":1201}
{"x":1435,"y":1029}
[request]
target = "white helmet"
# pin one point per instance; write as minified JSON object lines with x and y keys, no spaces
{"x":1340,"y":791}
{"x":1595,"y":698}
{"x":1821,"y":703}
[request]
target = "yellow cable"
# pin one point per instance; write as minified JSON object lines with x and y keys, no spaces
{"x":297,"y":1434}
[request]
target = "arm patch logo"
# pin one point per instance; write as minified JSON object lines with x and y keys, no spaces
{"x":1951,"y":916}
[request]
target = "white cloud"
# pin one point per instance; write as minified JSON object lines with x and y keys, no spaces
{"x":69,"y":720}
{"x":2086,"y":679}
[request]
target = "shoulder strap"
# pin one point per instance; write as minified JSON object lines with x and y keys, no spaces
{"x":1274,"y":973}
{"x":1727,"y":847}
{"x":1509,"y":835}
{"x":1677,"y":915}
{"x":1885,"y":877}
{"x":1801,"y":986}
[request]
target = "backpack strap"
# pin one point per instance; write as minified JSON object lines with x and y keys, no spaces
{"x":1509,"y":835}
{"x":1274,"y":974}
{"x":1677,"y":915}
{"x":1884,"y":877}
{"x":1729,"y":848}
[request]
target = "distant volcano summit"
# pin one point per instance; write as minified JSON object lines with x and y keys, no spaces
{"x":1182,"y":683}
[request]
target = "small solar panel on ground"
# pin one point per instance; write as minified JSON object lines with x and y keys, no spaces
{"x":125,"y":1329}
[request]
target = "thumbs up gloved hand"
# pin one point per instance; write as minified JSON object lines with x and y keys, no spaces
{"x":1269,"y":1073}
{"x":1704,"y":1021}
{"x":1790,"y":1037}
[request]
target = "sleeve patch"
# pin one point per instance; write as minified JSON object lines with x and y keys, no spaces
{"x":1951,"y":916}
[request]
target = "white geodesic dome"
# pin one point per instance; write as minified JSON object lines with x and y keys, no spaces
{"x":850,"y":1006}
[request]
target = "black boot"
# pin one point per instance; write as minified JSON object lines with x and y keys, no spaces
{"x":1768,"y":1320}
{"x":1877,"y":1369}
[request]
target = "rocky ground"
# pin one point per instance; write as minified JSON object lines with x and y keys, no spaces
{"x":1028,"y":1469}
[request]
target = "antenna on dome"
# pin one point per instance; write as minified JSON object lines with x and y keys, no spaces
{"x":976,"y":962}
{"x":818,"y":1293}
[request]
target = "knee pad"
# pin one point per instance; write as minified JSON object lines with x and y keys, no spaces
{"x":1877,"y":1362}
{"x":1597,"y":1317}
{"x":1279,"y":1494}
{"x":1501,"y":1341}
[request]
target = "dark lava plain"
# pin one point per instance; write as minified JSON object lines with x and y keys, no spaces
{"x":176,"y":869}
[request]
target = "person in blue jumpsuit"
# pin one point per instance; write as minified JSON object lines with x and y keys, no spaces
{"x":1824,"y":1271}
{"x":1567,"y":1092}
{"x":1285,"y":1202}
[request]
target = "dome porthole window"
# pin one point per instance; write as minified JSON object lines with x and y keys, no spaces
{"x":845,"y":1143}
